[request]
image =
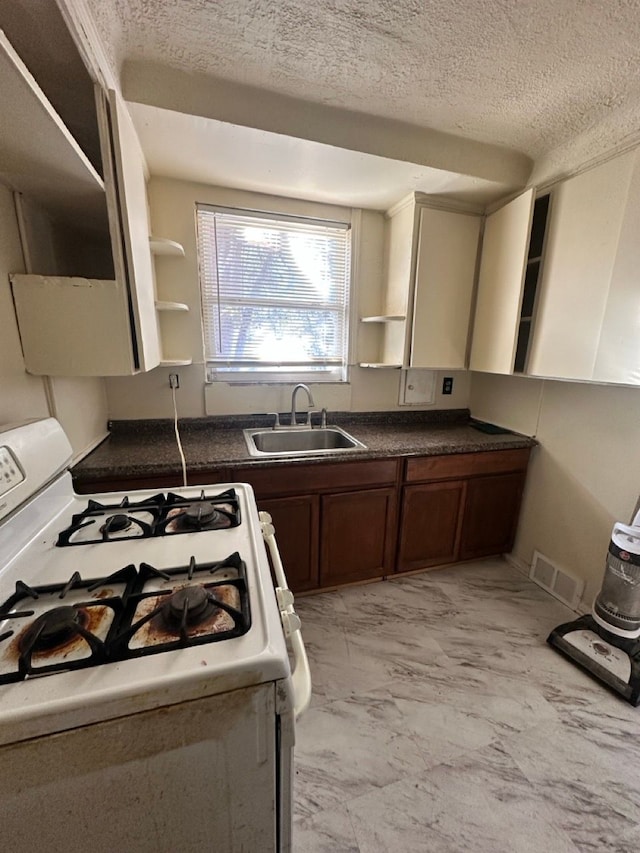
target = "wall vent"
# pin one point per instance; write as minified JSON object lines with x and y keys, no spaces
{"x":558,"y":582}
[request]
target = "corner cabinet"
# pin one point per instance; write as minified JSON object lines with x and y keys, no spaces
{"x":587,"y":322}
{"x":509,"y":267}
{"x":430,"y":262}
{"x":460,"y":507}
{"x":84,"y":325}
{"x":557,"y":290}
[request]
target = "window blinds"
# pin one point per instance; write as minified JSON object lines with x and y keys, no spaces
{"x":275,"y":294}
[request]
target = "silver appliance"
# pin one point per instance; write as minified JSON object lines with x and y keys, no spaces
{"x":147,"y":699}
{"x":606,"y":642}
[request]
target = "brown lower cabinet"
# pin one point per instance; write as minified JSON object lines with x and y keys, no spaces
{"x":430,"y":524}
{"x":357,"y":535}
{"x":296,"y":521}
{"x":335,"y":522}
{"x":491,"y":510}
{"x":460,"y":506}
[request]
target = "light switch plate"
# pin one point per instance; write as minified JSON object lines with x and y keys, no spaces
{"x":417,"y":387}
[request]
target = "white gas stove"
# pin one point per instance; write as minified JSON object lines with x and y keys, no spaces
{"x":121,"y":613}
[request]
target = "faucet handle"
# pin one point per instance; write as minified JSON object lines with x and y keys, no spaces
{"x":309,"y":413}
{"x":323,"y":422}
{"x":277,"y":419}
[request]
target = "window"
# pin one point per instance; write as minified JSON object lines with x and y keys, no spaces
{"x":275,"y":296}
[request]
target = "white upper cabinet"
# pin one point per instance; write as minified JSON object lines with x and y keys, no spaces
{"x":583,"y":258}
{"x":618,"y":356}
{"x":73,"y":326}
{"x":38,"y":154}
{"x":445,"y":273}
{"x":561,"y":298}
{"x":125,"y":183}
{"x":76,"y":324}
{"x":501,"y":280}
{"x":430,"y":262}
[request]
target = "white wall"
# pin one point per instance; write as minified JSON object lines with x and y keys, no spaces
{"x":584,"y":475}
{"x":79,"y":404}
{"x":172,"y":205}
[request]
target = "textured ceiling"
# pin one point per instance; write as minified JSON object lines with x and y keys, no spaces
{"x":527,"y":74}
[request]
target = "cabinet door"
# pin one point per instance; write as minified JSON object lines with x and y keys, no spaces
{"x":357,"y":535}
{"x":492,"y":506}
{"x":296,"y":522}
{"x":125,"y":185}
{"x":72,"y":326}
{"x":430,"y":525}
{"x":445,"y":275}
{"x":582,"y":242}
{"x":500,"y":284}
{"x":618,"y":357}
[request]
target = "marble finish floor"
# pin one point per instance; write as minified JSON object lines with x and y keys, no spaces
{"x":441,"y":721}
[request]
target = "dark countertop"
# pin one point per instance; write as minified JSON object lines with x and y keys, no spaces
{"x":139,"y":448}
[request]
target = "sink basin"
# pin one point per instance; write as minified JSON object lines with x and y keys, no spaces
{"x":299,"y":442}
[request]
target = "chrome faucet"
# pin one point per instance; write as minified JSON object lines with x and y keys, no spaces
{"x":293,"y":402}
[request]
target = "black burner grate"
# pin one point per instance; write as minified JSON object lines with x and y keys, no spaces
{"x":170,"y":514}
{"x":155,"y":611}
{"x":196,"y":586}
{"x":66,"y":622}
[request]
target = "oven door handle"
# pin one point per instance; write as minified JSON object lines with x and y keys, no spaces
{"x":301,"y":676}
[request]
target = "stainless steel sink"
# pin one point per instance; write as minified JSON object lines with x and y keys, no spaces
{"x":302,"y":441}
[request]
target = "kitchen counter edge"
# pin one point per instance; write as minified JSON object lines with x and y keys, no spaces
{"x":139,"y":448}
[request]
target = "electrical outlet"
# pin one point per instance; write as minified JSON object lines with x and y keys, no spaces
{"x":174,"y":380}
{"x":447,"y":385}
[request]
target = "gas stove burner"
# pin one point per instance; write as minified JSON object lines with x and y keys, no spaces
{"x":116,"y":523}
{"x":199,"y":516}
{"x":99,"y":523}
{"x":185,"y":606}
{"x":190,"y":605}
{"x":54,"y":628}
{"x":190,"y":515}
{"x":44,"y":635}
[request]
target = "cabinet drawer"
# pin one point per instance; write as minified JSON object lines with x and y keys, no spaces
{"x":456,"y":465}
{"x":305,"y":479}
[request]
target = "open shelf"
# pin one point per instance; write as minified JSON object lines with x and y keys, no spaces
{"x":378,"y":365}
{"x":162,"y":246}
{"x":161,"y":305}
{"x":176,"y":362}
{"x":38,"y":155}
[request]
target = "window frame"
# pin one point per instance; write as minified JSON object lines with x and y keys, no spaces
{"x":217,"y":370}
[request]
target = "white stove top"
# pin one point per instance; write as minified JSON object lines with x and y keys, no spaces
{"x":28,"y":553}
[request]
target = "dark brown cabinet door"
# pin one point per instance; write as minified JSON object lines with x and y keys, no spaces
{"x":491,"y":512}
{"x":357,"y":538}
{"x":430,"y":525}
{"x":296,"y":522}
